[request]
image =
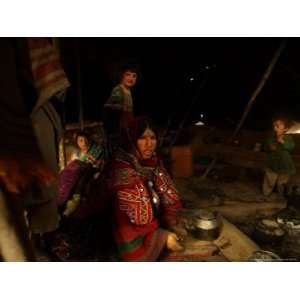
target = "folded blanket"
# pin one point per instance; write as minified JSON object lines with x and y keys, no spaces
{"x":48,"y":74}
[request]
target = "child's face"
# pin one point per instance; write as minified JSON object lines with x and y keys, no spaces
{"x":129,"y":79}
{"x":279,"y":127}
{"x":82,"y":143}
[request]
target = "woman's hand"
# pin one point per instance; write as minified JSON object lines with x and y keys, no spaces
{"x":180,"y":231}
{"x":172,"y":242}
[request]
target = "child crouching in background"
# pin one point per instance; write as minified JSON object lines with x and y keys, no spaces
{"x":279,"y":163}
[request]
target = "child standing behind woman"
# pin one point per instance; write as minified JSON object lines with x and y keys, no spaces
{"x":118,"y":110}
{"x":279,"y":164}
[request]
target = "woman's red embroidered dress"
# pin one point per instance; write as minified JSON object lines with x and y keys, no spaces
{"x":139,"y":231}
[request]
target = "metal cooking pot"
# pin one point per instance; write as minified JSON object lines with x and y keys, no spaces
{"x":206,"y":225}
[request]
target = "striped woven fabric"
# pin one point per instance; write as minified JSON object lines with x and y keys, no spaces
{"x":48,"y":74}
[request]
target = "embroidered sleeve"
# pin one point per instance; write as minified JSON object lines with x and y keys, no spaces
{"x":136,"y":203}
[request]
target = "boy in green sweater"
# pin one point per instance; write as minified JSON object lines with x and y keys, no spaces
{"x":118,"y":110}
{"x":279,"y":164}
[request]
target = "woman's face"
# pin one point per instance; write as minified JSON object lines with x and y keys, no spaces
{"x":83,"y":143}
{"x":129,"y":79}
{"x":146,"y":144}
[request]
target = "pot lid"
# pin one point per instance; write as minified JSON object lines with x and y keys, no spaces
{"x":207,"y":215}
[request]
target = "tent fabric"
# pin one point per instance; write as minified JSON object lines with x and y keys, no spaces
{"x":17,"y":134}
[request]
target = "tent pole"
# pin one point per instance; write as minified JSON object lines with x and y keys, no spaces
{"x":79,"y":89}
{"x":256,"y":92}
{"x":259,"y":88}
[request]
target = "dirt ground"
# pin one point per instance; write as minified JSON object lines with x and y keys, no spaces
{"x":236,"y":194}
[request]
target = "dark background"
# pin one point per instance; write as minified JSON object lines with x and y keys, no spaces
{"x":226,"y":71}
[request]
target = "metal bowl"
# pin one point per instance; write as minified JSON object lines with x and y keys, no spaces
{"x":268,"y":231}
{"x":262,"y":255}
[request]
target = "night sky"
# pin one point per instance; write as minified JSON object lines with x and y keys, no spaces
{"x":224,"y":72}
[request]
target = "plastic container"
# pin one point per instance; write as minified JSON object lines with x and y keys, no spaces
{"x":182,"y":161}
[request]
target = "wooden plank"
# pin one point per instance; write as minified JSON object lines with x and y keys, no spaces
{"x":238,"y":156}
